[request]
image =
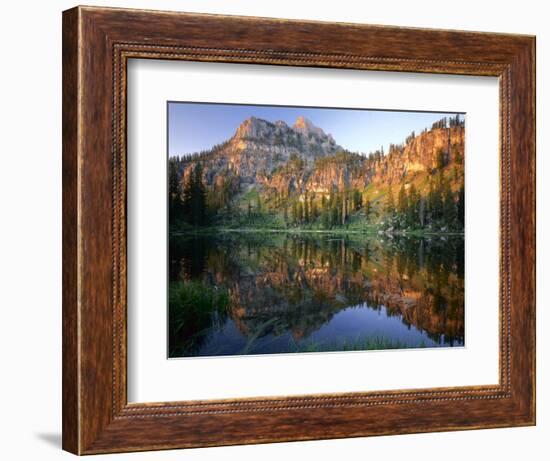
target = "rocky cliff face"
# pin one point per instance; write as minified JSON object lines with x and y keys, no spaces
{"x":302,"y":158}
{"x":258,"y":147}
{"x":421,"y":154}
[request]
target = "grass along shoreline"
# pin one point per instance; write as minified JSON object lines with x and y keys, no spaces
{"x":368,"y":343}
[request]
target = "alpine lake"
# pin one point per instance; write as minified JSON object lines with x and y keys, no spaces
{"x":251,"y":292}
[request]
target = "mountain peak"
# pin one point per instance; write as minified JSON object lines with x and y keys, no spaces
{"x":302,"y":135}
{"x":302,"y":122}
{"x":251,"y":128}
{"x":305,"y":126}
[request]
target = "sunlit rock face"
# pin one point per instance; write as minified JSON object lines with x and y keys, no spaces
{"x":259,"y":147}
{"x":303,"y":158}
{"x":420,"y":154}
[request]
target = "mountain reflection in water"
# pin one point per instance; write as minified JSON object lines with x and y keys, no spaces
{"x":235,"y":293}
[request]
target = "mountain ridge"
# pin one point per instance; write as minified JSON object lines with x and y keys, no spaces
{"x":284,"y":166}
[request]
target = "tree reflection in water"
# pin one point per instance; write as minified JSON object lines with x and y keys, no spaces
{"x":317,"y":292}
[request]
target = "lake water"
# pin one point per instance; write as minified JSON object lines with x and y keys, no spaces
{"x":236,"y":293}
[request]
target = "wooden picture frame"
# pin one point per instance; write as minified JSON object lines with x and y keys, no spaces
{"x":97,"y":43}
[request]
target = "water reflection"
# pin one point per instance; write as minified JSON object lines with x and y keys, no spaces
{"x":278,"y":293}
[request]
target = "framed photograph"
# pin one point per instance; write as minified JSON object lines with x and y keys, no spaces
{"x":283,"y":241}
{"x":280,"y":230}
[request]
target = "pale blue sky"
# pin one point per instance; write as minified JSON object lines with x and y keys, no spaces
{"x":193,"y":127}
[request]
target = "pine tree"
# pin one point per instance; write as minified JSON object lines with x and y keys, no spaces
{"x":357,"y":199}
{"x":187,"y":198}
{"x":295,"y":217}
{"x":194,"y":198}
{"x":449,"y":208}
{"x":412,"y":205}
{"x":300,"y":212}
{"x":402,"y":200}
{"x":344,"y":208}
{"x":258,"y":203}
{"x":421,"y":211}
{"x":326,"y":218}
{"x":199,"y":203}
{"x":460,"y":207}
{"x":390,"y":203}
{"x":438,"y":198}
{"x":457,"y":156}
{"x":440,"y":159}
{"x":174,"y":193}
{"x":432,"y":202}
{"x":314,"y":210}
{"x":334,"y":214}
{"x":368,"y":208}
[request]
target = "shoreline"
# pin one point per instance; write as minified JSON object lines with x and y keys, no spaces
{"x":377,"y":233}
